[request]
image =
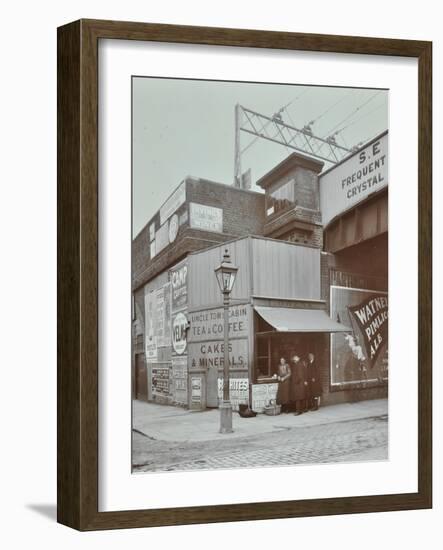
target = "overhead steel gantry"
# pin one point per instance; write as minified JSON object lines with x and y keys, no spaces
{"x":276,"y":130}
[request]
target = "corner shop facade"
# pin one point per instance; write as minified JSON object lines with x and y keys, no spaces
{"x":309,"y":248}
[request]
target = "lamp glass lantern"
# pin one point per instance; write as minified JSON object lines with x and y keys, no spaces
{"x":226,"y":273}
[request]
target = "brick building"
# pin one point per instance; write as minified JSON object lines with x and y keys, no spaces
{"x":311,"y":250}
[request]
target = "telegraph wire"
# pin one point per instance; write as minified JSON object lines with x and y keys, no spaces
{"x":313,"y":121}
{"x":330,"y":132}
{"x":360,"y":118}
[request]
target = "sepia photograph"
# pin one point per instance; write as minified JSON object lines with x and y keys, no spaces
{"x":259,"y":274}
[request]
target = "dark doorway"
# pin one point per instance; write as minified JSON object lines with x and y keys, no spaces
{"x":141,"y":378}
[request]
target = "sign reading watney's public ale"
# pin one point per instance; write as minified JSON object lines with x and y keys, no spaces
{"x":360,"y":356}
{"x":354,"y":179}
{"x":371,"y":316}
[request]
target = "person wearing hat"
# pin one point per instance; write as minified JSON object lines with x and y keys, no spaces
{"x":299,"y":386}
{"x":314,"y":384}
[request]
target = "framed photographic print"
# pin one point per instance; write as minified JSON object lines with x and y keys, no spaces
{"x":244,"y":310}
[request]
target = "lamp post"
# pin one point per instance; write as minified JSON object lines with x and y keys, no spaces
{"x":226,"y":273}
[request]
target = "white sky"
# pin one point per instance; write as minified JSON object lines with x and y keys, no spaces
{"x":186,"y":127}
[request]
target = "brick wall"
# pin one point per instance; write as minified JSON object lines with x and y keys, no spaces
{"x":243,"y":214}
{"x":243,"y":211}
{"x":297,"y":218}
{"x":348,"y":264}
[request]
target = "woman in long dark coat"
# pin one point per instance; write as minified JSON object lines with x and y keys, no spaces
{"x":299,"y":385}
{"x":284,"y":378}
{"x":314,"y":383}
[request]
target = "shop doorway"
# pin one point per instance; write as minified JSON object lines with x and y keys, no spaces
{"x":141,"y":378}
{"x":212,"y":387}
{"x":271,"y":346}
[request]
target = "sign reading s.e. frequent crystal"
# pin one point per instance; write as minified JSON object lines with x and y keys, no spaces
{"x":207,"y":218}
{"x":354,"y":179}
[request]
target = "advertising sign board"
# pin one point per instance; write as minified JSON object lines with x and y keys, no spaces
{"x":209,"y":324}
{"x":160,"y":381}
{"x":362,"y":356}
{"x":161,"y":238}
{"x":150,"y":324}
{"x":179,"y":329}
{"x":207,"y":218}
{"x":354,"y":179}
{"x":261,"y":395}
{"x":210,"y":354}
{"x":238,"y":391}
{"x":173,"y":203}
{"x":179,"y":286}
{"x":180,"y":379}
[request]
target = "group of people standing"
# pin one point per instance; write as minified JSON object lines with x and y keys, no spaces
{"x":299,"y":389}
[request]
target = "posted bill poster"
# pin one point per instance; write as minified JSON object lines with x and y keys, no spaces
{"x":150,"y":324}
{"x":157,"y":321}
{"x":238,"y":391}
{"x":363,"y":355}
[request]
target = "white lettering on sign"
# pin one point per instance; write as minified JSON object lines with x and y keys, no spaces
{"x":161,"y":238}
{"x":362,"y":356}
{"x":262,"y":395}
{"x":196,"y":389}
{"x":353,"y":180}
{"x":179,"y":326}
{"x":207,"y":218}
{"x":174,"y":202}
{"x":211,"y":354}
{"x":179,"y":277}
{"x":209,"y":324}
{"x":180,"y":378}
{"x":150,"y":324}
{"x":238,"y":391}
{"x":160,"y":381}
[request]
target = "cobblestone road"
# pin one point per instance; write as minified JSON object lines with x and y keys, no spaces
{"x":349,"y":441}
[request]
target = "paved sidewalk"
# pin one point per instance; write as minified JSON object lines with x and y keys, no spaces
{"x":168,"y":423}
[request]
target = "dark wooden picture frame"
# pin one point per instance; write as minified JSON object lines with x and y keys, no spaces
{"x":77,"y":172}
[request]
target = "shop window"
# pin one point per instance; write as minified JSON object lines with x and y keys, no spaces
{"x":263,"y":367}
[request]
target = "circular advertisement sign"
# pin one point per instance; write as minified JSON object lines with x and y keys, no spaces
{"x":173,"y":228}
{"x":179,"y":326}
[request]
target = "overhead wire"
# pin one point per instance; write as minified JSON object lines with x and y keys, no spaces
{"x":330,"y":132}
{"x":329,"y":109}
{"x":360,"y":118}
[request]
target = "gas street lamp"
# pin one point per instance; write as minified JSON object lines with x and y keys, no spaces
{"x":226,"y":273}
